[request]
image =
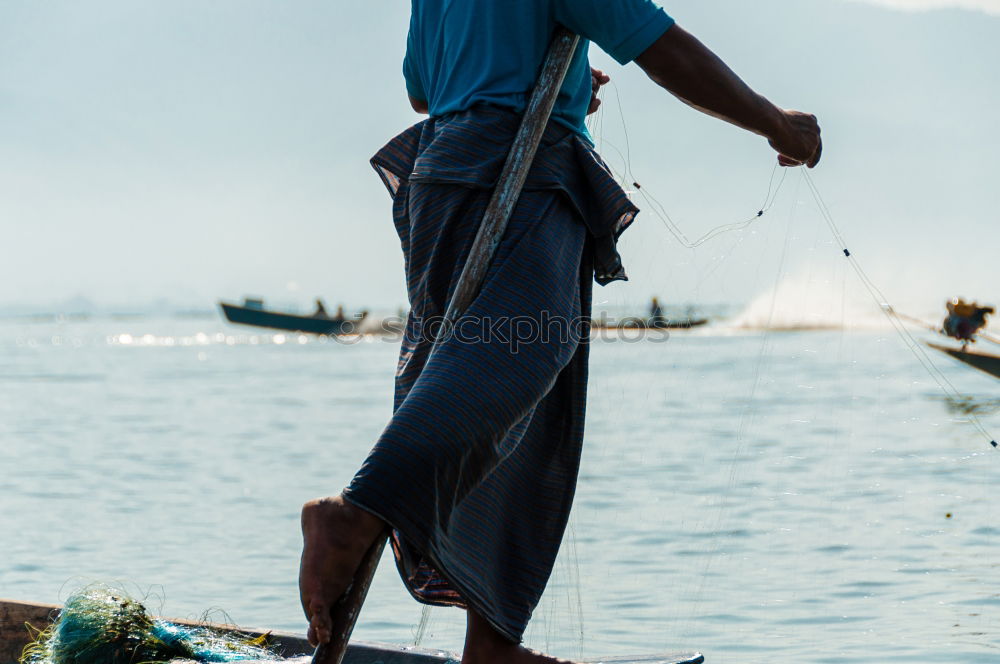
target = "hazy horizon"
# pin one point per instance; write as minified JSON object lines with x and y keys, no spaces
{"x":192,"y":152}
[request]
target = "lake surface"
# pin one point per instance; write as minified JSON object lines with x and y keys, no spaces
{"x":796,"y":496}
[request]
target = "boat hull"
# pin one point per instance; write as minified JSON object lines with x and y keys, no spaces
{"x":289,"y":322}
{"x":15,"y":633}
{"x":984,"y":362}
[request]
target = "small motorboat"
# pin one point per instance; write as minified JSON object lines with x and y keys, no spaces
{"x":252,"y":312}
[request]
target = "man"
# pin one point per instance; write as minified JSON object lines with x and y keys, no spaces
{"x":965,"y":320}
{"x":476,"y":470}
{"x":656,"y":318}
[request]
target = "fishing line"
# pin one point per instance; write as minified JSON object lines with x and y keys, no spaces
{"x":746,"y":418}
{"x":719,"y":261}
{"x":675,"y":230}
{"x":745,"y":414}
{"x":923,"y":324}
{"x":627,"y":178}
{"x":774,"y":186}
{"x":421,"y":631}
{"x":574,"y":596}
{"x":621,"y":114}
{"x":895,"y":319}
{"x":843,"y":314}
{"x":562,"y":623}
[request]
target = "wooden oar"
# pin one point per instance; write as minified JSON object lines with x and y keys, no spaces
{"x":491,"y":230}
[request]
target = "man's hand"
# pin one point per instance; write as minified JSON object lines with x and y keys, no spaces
{"x":797,"y":141}
{"x":597,"y":79}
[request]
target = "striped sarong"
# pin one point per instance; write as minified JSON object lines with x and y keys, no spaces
{"x":477,"y":468}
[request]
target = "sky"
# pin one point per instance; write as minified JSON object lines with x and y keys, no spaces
{"x":987,"y":6}
{"x":187,"y":151}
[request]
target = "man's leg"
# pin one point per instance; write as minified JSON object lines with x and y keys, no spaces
{"x":485,"y":645}
{"x":336,"y":534}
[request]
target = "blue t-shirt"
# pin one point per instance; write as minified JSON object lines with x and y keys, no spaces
{"x":465,"y":52}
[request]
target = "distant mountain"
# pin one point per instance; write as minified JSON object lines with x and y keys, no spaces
{"x":81,"y":305}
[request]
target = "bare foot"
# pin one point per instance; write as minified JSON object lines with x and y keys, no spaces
{"x":335,"y":536}
{"x":485,"y":645}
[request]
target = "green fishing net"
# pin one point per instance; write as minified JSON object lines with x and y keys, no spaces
{"x":101,"y":625}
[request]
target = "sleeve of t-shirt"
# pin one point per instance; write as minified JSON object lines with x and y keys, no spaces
{"x":411,"y":72}
{"x":623,"y":28}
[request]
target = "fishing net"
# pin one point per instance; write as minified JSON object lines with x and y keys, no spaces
{"x":101,"y":625}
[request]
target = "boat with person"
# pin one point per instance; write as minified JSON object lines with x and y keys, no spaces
{"x":966,"y":323}
{"x":20,"y":623}
{"x":657,"y":319}
{"x":252,"y":312}
{"x":637,"y":323}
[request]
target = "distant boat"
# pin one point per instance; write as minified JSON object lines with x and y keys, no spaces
{"x":252,"y":312}
{"x":656,"y":319}
{"x":675,"y":323}
{"x":966,"y":322}
{"x":660,"y":323}
{"x":983,"y":361}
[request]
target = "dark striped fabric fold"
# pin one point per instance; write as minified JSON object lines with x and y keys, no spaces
{"x":477,"y":468}
{"x":469,"y":148}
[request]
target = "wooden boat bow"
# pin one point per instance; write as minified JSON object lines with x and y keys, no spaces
{"x":21,"y":621}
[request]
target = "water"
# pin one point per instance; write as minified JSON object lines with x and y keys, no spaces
{"x":751,"y":496}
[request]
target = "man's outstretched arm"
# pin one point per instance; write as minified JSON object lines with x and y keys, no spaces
{"x":686,"y":68}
